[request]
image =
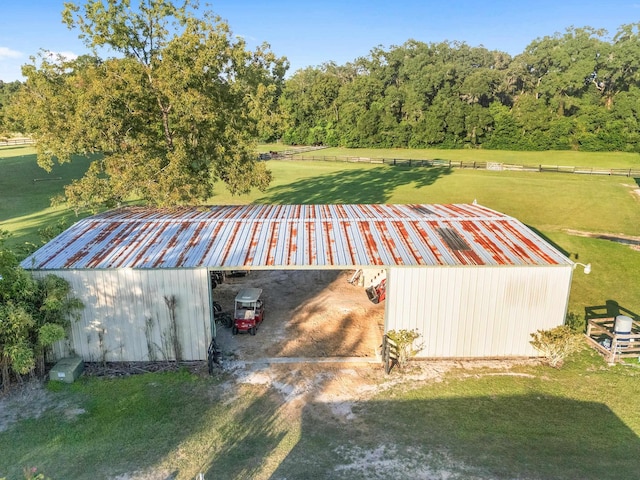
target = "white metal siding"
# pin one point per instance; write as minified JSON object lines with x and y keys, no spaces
{"x":129,"y":307}
{"x":477,"y":312}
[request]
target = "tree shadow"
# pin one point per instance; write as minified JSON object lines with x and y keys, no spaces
{"x":374,"y":185}
{"x":253,"y":434}
{"x":511,"y":436}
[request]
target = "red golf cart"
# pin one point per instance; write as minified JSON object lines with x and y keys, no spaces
{"x":248,"y":311}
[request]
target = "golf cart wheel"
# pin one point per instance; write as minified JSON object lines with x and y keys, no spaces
{"x":252,"y":330}
{"x":234,"y":331}
{"x":228,"y":322}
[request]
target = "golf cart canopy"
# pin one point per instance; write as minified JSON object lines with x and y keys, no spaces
{"x":248,"y":295}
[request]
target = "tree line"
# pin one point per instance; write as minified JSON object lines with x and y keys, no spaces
{"x":576,"y":90}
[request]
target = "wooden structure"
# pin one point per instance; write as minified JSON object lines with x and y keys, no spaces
{"x":613,"y":346}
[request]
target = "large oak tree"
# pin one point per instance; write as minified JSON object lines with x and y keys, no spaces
{"x":175,"y":107}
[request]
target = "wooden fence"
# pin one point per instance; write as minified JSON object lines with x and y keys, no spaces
{"x":17,"y":141}
{"x":613,"y":346}
{"x":494,"y":166}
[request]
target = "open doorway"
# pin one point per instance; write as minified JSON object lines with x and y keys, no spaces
{"x":307,"y":314}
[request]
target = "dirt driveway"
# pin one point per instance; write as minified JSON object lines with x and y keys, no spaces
{"x":308,"y":313}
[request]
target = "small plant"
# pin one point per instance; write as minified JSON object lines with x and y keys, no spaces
{"x":33,"y":474}
{"x":557,"y":344}
{"x":403,"y":344}
{"x":575,"y":321}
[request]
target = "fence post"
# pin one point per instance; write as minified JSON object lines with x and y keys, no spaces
{"x":389,"y":353}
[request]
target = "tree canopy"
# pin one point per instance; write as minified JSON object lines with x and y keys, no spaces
{"x":575,"y":90}
{"x":180,"y":104}
{"x":176,"y":107}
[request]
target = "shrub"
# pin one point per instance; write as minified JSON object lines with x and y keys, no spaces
{"x":405,"y":344}
{"x":575,"y":322}
{"x":557,"y":344}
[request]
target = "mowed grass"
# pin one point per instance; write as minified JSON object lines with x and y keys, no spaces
{"x":528,"y":422}
{"x":26,"y":191}
{"x":525,"y":422}
{"x":551,"y":157}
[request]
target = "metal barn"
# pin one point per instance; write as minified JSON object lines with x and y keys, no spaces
{"x":474,"y":282}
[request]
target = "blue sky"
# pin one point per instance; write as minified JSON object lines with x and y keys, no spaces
{"x":312,"y":32}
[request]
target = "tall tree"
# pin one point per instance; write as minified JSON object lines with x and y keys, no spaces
{"x":175,"y":110}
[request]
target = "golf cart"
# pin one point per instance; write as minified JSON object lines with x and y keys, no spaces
{"x":248,"y":311}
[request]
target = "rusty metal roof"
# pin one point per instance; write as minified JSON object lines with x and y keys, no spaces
{"x":295,"y":236}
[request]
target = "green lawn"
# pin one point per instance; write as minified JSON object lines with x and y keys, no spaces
{"x":530,"y":422}
{"x":526,"y":422}
{"x":26,"y":191}
{"x":552,"y":157}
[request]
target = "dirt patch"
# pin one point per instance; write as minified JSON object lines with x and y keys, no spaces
{"x":629,"y":240}
{"x":32,"y":400}
{"x":308,"y":313}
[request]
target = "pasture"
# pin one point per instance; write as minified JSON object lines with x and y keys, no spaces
{"x":495,"y":420}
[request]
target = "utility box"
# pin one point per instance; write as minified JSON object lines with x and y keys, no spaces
{"x":67,"y":370}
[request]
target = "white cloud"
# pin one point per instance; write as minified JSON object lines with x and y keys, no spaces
{"x":6,"y":52}
{"x":67,"y":55}
{"x":54,"y":55}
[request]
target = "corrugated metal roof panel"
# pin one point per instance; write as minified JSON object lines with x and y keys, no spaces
{"x":295,"y":236}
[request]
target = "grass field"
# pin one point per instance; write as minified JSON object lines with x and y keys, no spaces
{"x":529,"y":422}
{"x":26,"y":191}
{"x":580,"y":422}
{"x":553,"y":157}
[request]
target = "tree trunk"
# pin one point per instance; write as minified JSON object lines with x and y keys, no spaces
{"x":39,"y":364}
{"x":4,"y":369}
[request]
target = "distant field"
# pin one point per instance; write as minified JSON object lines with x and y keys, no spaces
{"x":26,"y":191}
{"x":554,"y":157}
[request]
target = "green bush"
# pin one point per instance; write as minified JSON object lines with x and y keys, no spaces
{"x":557,"y":344}
{"x":405,"y":343}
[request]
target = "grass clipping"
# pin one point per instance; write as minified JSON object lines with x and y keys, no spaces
{"x":557,"y":344}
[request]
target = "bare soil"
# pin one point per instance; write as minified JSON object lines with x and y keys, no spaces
{"x":631,"y":241}
{"x":308,"y":313}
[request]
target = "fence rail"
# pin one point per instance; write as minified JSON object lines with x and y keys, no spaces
{"x":17,"y":141}
{"x":494,"y":166}
{"x":613,"y":346}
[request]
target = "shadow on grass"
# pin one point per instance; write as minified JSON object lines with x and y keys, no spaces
{"x":551,"y":242}
{"x":499,"y":437}
{"x":160,"y":426}
{"x":26,"y":191}
{"x":353,"y":186}
{"x":30,"y":234}
{"x":255,"y":433}
{"x":610,"y":309}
